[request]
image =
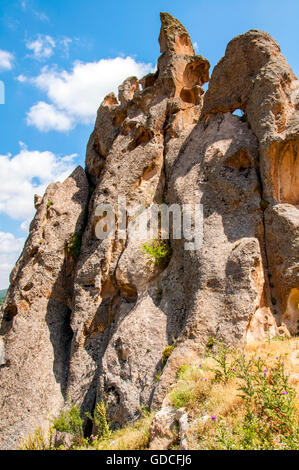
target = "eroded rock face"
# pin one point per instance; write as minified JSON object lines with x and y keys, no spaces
{"x":255,"y":77}
{"x":96,"y":326}
{"x":36,"y":313}
{"x":282,"y":236}
{"x":134,"y":168}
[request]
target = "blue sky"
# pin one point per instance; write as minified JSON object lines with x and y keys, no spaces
{"x":58,"y":58}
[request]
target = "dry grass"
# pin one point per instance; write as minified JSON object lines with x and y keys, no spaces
{"x":204,"y":399}
{"x":134,"y":437}
{"x":39,"y":440}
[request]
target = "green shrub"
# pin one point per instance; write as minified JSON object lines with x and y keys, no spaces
{"x":100,"y":420}
{"x":270,"y":418}
{"x":158,"y":375}
{"x":226,"y":368}
{"x":166,"y":353}
{"x":49,"y":204}
{"x":159,"y":295}
{"x":74,"y":246}
{"x":91,"y":190}
{"x":158,"y":251}
{"x":39,"y":440}
{"x":69,"y":422}
{"x":264,"y":204}
{"x":210,"y":343}
{"x":181,"y":370}
{"x":183,"y":396}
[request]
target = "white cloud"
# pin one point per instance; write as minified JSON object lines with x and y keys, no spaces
{"x":24,"y":4}
{"x":42,"y":47}
{"x":21,"y":78}
{"x":40,"y":15}
{"x":64,"y":45}
{"x":79,"y":92}
{"x":25,"y":226}
{"x":26,"y":174}
{"x":23,"y":175}
{"x":10,"y":248}
{"x":46,"y":117}
{"x":6,"y":60}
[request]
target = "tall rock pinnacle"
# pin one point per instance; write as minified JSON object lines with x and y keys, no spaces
{"x":86,"y":319}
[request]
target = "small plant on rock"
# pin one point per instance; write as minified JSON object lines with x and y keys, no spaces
{"x":166,"y":353}
{"x":74,"y":246}
{"x":226,"y":368}
{"x":210,"y":343}
{"x":158,"y":251}
{"x":270,"y":419}
{"x":70,"y":422}
{"x":100,"y":420}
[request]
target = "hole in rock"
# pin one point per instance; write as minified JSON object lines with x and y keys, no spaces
{"x":108,"y":290}
{"x":9,"y":313}
{"x":188,"y":95}
{"x":239,"y":160}
{"x":291,"y":314}
{"x":205,"y":86}
{"x":238,"y":112}
{"x":284,"y":167}
{"x":143,"y":137}
{"x":193,"y":74}
{"x":183,"y":45}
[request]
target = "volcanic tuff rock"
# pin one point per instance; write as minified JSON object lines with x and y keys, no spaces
{"x":93,"y":327}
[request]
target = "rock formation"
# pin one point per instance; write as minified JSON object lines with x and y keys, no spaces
{"x":87,"y":320}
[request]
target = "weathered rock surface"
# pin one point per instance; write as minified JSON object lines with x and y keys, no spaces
{"x":94,"y":328}
{"x":282,"y":236}
{"x":36,"y":313}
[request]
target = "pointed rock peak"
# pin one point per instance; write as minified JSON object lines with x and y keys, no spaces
{"x":110,"y":100}
{"x":174,"y":36}
{"x":127,"y":89}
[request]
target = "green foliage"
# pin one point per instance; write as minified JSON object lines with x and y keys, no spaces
{"x":166,"y":353}
{"x":264,"y":204}
{"x":2,"y":296}
{"x":38,"y":441}
{"x":91,"y":190}
{"x":191,"y":389}
{"x":49,"y":204}
{"x":181,"y":370}
{"x":70,"y":422}
{"x":270,"y":406}
{"x":210,"y":343}
{"x":74,"y":246}
{"x":226,"y":367}
{"x":131,"y":437}
{"x":270,"y":418}
{"x":158,"y":251}
{"x":182,"y":397}
{"x":279,"y":338}
{"x":3,"y":293}
{"x":100,"y":420}
{"x":158,"y":375}
{"x":159,"y":295}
